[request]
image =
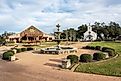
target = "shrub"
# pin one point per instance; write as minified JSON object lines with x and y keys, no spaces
{"x":11,"y":51}
{"x":6,"y":55}
{"x":104,"y":49}
{"x":23,"y":49}
{"x":89,"y":47}
{"x":111,"y":52}
{"x":92,"y":47}
{"x":29,"y":49}
{"x":73,"y":58}
{"x":86,"y":58}
{"x":99,"y":56}
{"x":86,"y":47}
{"x":18,"y":50}
{"x":98,"y":47}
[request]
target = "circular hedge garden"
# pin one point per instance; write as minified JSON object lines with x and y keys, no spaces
{"x":102,"y":55}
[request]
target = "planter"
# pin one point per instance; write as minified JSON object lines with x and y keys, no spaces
{"x":12,"y":58}
{"x":66,"y":63}
{"x":106,"y":55}
{"x":15,"y":51}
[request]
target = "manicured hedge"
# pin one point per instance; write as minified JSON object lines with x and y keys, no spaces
{"x":11,"y":51}
{"x":99,"y":56}
{"x":23,"y":49}
{"x":6,"y":55}
{"x":111,"y":52}
{"x":29,"y":49}
{"x":104,"y":49}
{"x":18,"y":50}
{"x":86,"y":58}
{"x":98,"y":48}
{"x":73,"y":58}
{"x":89,"y":47}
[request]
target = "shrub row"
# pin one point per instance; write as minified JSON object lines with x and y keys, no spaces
{"x":29,"y":49}
{"x":110,"y":51}
{"x":89,"y":47}
{"x":6,"y":55}
{"x":23,"y":49}
{"x":93,"y":47}
{"x":87,"y":57}
{"x":103,"y":49}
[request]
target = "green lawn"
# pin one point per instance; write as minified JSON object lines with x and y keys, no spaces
{"x":111,"y":67}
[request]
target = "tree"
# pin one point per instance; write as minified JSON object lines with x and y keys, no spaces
{"x":104,"y":31}
{"x":69,"y":34}
{"x":81,"y":30}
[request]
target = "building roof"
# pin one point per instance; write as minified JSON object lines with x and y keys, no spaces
{"x":14,"y":36}
{"x":31,"y":31}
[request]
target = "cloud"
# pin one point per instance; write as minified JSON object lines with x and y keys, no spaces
{"x":16,"y":15}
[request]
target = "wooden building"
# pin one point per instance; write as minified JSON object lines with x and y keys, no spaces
{"x":30,"y":35}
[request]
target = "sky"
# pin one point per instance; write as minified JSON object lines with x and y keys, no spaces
{"x":17,"y":15}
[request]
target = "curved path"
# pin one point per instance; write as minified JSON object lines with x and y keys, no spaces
{"x":43,"y":67}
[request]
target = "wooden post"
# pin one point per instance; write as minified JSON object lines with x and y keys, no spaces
{"x":27,"y":39}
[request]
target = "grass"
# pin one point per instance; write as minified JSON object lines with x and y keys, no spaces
{"x":111,"y":67}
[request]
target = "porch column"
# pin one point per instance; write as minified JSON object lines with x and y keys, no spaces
{"x":27,"y":39}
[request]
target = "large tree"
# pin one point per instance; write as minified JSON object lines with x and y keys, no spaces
{"x":69,"y":34}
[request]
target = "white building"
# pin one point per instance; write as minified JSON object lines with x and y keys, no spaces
{"x":90,"y":35}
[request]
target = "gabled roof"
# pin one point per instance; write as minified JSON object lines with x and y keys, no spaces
{"x":31,"y":31}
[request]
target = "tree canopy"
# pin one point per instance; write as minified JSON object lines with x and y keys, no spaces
{"x":104,"y":31}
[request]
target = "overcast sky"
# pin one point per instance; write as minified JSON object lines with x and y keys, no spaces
{"x":16,"y":15}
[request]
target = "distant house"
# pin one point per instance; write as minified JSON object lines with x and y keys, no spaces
{"x":31,"y":34}
{"x":90,"y":35}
